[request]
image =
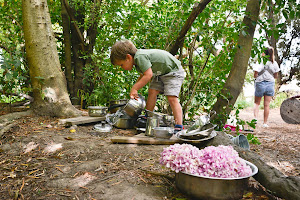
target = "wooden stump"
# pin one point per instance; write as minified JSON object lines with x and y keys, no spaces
{"x":290,"y":111}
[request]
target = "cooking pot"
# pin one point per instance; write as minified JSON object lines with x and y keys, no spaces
{"x":134,"y":107}
{"x":97,"y":111}
{"x":124,"y":123}
{"x":163,"y":132}
{"x":115,"y":105}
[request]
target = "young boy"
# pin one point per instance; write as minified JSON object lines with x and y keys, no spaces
{"x":158,"y":66}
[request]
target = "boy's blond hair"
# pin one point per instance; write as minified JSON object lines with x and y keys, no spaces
{"x":120,"y":49}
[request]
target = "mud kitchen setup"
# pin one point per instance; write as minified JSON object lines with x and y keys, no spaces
{"x":158,"y":129}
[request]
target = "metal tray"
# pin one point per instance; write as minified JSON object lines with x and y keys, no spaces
{"x":212,"y":135}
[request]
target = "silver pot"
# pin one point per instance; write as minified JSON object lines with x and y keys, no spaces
{"x":124,"y":123}
{"x":163,"y":132}
{"x":97,"y":111}
{"x":135,"y":107}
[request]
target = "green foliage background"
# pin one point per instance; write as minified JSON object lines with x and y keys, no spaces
{"x":148,"y":26}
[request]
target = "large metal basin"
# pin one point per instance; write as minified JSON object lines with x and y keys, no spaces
{"x":207,"y":188}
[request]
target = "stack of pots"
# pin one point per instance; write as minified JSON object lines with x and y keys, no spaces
{"x":126,"y":115}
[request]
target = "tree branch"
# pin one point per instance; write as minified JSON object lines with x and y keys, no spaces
{"x":73,"y":19}
{"x":198,"y":8}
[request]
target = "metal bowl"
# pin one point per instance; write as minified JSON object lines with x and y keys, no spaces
{"x":197,"y":134}
{"x":97,"y":111}
{"x":201,"y":187}
{"x":163,"y":132}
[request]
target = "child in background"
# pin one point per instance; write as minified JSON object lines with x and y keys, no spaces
{"x":264,"y":83}
{"x":158,"y":66}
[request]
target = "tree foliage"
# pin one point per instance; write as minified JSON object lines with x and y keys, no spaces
{"x":207,"y":51}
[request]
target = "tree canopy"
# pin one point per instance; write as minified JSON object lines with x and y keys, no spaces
{"x":85,"y":30}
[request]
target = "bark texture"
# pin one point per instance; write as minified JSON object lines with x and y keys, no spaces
{"x":67,"y":48}
{"x":80,"y":46}
{"x":286,"y":187}
{"x":234,"y":84}
{"x":48,"y":81}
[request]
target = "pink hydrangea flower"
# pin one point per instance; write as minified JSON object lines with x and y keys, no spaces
{"x":221,"y":162}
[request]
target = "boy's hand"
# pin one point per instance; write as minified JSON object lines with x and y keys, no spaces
{"x":134,"y":94}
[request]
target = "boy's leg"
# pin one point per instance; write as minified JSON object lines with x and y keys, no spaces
{"x":151,"y":101}
{"x":176,"y":109}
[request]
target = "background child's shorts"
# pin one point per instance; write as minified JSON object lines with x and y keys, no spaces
{"x":264,"y":88}
{"x":169,"y":84}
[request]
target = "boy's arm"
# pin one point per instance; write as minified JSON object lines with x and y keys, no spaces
{"x":141,"y":82}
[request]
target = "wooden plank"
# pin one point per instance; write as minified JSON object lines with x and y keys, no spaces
{"x":142,"y":139}
{"x":81,"y":120}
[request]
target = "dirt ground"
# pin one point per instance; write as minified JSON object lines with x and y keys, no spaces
{"x":41,"y":159}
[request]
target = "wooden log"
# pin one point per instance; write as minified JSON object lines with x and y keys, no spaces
{"x":142,"y":139}
{"x":287,"y":187}
{"x":81,"y":120}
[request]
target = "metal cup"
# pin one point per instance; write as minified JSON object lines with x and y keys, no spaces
{"x":152,"y":122}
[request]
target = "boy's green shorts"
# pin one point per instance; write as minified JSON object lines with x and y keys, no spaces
{"x":168,"y":84}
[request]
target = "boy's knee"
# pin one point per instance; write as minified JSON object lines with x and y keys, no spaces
{"x":173,"y":100}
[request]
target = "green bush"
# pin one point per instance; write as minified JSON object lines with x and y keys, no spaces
{"x":242,"y":102}
{"x":278,"y":99}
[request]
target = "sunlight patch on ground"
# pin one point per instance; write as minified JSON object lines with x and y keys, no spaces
{"x":50,"y":148}
{"x":83,"y":180}
{"x":30,"y":146}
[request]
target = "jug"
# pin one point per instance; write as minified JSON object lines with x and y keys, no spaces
{"x":152,"y":122}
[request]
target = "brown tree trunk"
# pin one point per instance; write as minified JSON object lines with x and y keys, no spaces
{"x":80,"y":46}
{"x":273,"y":41}
{"x":198,"y":8}
{"x":67,"y":48}
{"x":234,"y":84}
{"x":47,"y":79}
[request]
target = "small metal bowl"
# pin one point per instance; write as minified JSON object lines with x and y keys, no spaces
{"x":163,"y":132}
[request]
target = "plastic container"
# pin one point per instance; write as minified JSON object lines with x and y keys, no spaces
{"x":240,"y":140}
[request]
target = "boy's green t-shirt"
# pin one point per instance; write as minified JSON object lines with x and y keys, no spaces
{"x":161,"y":62}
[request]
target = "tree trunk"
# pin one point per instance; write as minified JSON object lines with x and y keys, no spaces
{"x":198,"y":8}
{"x":287,"y":187}
{"x":234,"y":84}
{"x":273,"y":43}
{"x":78,"y":63}
{"x":47,"y":79}
{"x":82,"y":47}
{"x":67,"y":48}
